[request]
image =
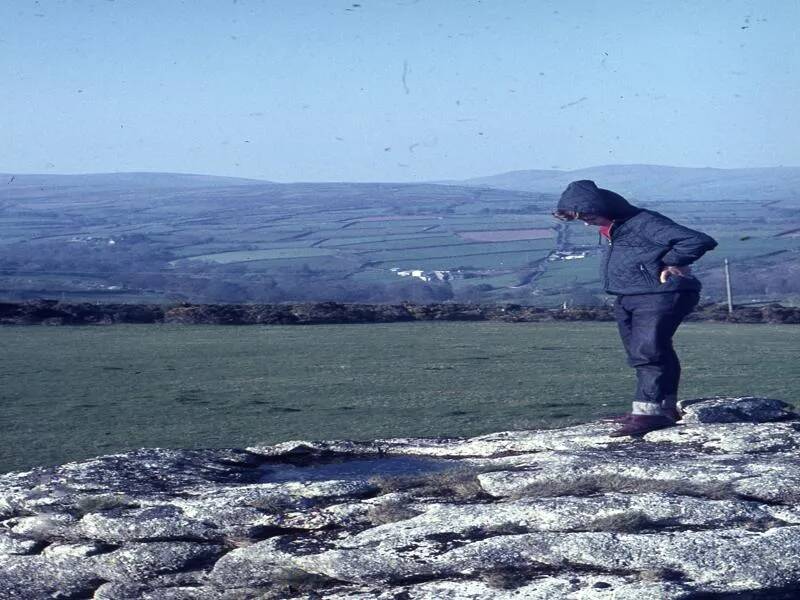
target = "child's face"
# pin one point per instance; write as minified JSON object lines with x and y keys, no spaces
{"x":589,"y":219}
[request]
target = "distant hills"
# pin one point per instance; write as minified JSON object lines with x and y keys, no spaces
{"x":168,"y":237}
{"x":123,"y":181}
{"x":636,"y":182}
{"x":657,"y":182}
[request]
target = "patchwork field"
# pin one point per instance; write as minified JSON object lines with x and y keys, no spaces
{"x":506,"y":235}
{"x":261,"y":242}
{"x":69,"y":393}
{"x":238,"y":256}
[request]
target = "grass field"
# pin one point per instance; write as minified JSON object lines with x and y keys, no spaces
{"x":70,"y":393}
{"x":302,"y":236}
{"x":252,"y":255}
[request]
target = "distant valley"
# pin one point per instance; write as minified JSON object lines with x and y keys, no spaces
{"x":160,"y":237}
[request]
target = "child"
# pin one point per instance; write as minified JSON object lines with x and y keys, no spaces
{"x":645,"y":264}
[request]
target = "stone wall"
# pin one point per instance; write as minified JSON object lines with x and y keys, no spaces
{"x":52,"y":312}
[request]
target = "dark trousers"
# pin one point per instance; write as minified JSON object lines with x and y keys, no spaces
{"x":646,"y":325}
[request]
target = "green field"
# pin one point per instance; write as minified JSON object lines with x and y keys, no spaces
{"x":264,"y":242}
{"x":70,"y":393}
{"x":253,"y":255}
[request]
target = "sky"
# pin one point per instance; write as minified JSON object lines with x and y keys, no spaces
{"x":395,"y":90}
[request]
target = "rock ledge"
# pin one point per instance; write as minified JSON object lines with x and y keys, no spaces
{"x":707,"y":509}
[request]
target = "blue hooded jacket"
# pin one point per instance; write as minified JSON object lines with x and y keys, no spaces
{"x":642,"y":242}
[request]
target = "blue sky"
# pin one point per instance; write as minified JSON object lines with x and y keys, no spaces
{"x":402,"y":90}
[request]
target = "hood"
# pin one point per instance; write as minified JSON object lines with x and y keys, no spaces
{"x":584,"y":196}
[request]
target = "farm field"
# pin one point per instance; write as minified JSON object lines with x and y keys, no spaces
{"x":350,"y":242}
{"x":69,"y":393}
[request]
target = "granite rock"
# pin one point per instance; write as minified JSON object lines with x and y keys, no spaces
{"x":710,"y":506}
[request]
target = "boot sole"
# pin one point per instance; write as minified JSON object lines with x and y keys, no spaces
{"x":639,"y":433}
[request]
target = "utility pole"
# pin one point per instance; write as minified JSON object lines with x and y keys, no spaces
{"x":728,"y":287}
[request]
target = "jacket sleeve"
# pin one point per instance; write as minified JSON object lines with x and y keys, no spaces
{"x":685,"y":245}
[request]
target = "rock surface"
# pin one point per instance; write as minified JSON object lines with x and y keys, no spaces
{"x":709,"y":508}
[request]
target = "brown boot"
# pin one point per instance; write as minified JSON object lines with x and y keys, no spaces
{"x":669,"y":405}
{"x":641,"y":424}
{"x":618,"y":418}
{"x":673,"y":413}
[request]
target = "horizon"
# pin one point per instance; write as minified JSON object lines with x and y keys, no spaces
{"x":437,"y":181}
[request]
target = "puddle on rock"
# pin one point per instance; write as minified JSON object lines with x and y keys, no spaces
{"x":357,"y":468}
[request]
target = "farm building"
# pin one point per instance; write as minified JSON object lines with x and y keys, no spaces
{"x":562,"y":255}
{"x":424,"y":275}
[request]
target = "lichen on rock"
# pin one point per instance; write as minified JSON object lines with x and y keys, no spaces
{"x":711,"y":506}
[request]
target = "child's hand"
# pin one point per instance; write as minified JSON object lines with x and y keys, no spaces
{"x":679,"y":271}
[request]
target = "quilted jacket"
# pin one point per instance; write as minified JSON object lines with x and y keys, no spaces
{"x":642,"y":242}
